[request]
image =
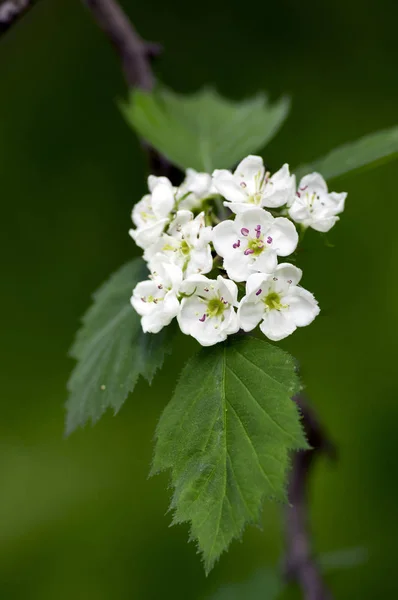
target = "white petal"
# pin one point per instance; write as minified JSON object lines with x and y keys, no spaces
{"x":224,"y":237}
{"x":324,"y":225}
{"x":239,"y":207}
{"x":231,"y":324}
{"x":249,"y":169}
{"x":255,"y":282}
{"x":251,"y":218}
{"x":289,"y":273}
{"x":238,"y":266}
{"x":200,"y":261}
{"x":146,"y":236}
{"x":228,"y":290}
{"x":153,"y":181}
{"x":198,"y":284}
{"x":338,"y":201}
{"x":299,"y":210}
{"x":250,"y":313}
{"x":284,"y":236}
{"x":162,"y":199}
{"x":266,"y":262}
{"x":302,"y":306}
{"x":277,"y":325}
{"x":313,"y":180}
{"x":227,"y":186}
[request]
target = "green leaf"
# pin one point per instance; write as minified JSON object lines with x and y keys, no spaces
{"x":203,"y":131}
{"x":265,"y":584}
{"x":111,"y":350}
{"x":226,"y":436}
{"x":369,"y":151}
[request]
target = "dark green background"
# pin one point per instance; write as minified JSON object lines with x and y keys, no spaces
{"x":78,"y":517}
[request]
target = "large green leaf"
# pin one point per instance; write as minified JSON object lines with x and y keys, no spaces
{"x":111,"y":350}
{"x":369,"y":151}
{"x":226,"y":436}
{"x":204,"y":131}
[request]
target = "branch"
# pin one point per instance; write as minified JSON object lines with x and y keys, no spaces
{"x":300,"y":565}
{"x":11,"y":11}
{"x":135,"y":55}
{"x":133,"y":51}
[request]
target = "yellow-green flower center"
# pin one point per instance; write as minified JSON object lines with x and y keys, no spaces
{"x":256,"y":246}
{"x":273,"y":301}
{"x":255,"y":198}
{"x":185,"y":249}
{"x":215,"y":307}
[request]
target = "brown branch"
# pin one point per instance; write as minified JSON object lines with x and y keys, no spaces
{"x":135,"y":55}
{"x":300,"y":564}
{"x":11,"y":11}
{"x":133,"y":51}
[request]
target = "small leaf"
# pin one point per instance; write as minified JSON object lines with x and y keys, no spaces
{"x":369,"y":151}
{"x":204,"y":131}
{"x":111,"y":350}
{"x":226,"y":436}
{"x":265,"y":584}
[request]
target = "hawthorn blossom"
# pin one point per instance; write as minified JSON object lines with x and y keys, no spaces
{"x":207,"y":311}
{"x":194,"y":189}
{"x":313,"y":206}
{"x":152,"y":213}
{"x":250,"y":186}
{"x":253,"y":241}
{"x":156,"y":299}
{"x":185,"y":244}
{"x":278,"y":302}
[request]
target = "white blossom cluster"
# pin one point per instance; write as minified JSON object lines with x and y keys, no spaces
{"x":217,"y":272}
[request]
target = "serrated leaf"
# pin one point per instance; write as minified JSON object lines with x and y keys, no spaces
{"x":111,"y":350}
{"x":226,"y":436}
{"x":204,"y":131}
{"x":369,"y":151}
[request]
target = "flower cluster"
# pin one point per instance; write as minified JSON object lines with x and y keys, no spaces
{"x":217,"y":272}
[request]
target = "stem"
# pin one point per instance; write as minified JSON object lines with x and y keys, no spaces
{"x":12,"y":10}
{"x":300,"y":564}
{"x":135,"y":55}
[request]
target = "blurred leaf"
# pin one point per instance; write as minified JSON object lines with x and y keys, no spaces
{"x":262,"y":585}
{"x":226,"y":436}
{"x":111,"y":350}
{"x":369,"y":151}
{"x":343,"y":559}
{"x":204,"y":131}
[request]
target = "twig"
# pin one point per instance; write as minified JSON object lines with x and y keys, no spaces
{"x":135,"y":55}
{"x":11,"y":11}
{"x":300,"y":564}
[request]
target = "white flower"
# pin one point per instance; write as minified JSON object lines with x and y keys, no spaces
{"x":152,"y":213}
{"x":314,"y":206}
{"x":208,"y":313}
{"x":194,"y":189}
{"x":185,"y":244}
{"x":250,"y":186}
{"x":278,"y":302}
{"x":253,"y":241}
{"x":155,"y":299}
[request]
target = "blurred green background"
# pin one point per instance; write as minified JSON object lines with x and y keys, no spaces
{"x":78,"y":516}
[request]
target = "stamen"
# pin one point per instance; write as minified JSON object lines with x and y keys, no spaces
{"x":206,"y":289}
{"x":258,"y":231}
{"x":244,"y":231}
{"x":236,"y":245}
{"x":248,"y":251}
{"x":143,"y":299}
{"x":304,"y":188}
{"x":289,"y":281}
{"x":269,"y":240}
{"x":274,"y":279}
{"x":298,"y":194}
{"x":242,"y":184}
{"x":160,"y":287}
{"x":202,"y":319}
{"x":260,"y":245}
{"x":259,"y":292}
